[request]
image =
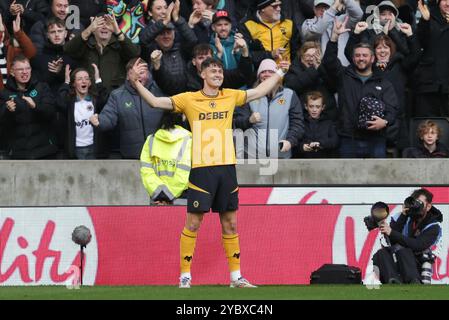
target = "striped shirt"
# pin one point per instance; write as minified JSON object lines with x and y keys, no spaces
{"x":3,"y":70}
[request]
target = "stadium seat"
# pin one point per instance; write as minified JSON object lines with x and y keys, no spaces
{"x":443,"y":123}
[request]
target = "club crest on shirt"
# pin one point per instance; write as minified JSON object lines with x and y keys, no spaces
{"x":129,"y":104}
{"x":281,"y":101}
{"x":213,"y":104}
{"x":33,"y":94}
{"x":90,"y":107}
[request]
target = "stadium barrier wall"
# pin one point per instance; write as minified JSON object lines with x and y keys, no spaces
{"x":285,"y":233}
{"x":117,"y":182}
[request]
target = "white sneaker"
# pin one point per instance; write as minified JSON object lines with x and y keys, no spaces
{"x":241,"y":283}
{"x":184,"y":282}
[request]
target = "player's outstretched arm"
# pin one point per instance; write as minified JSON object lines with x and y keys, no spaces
{"x":152,"y":100}
{"x":268,"y":85}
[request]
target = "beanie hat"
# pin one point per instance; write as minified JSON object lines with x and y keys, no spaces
{"x":267,"y":64}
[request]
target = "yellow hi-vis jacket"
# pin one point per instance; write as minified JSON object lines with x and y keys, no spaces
{"x":273,"y":36}
{"x":166,"y":161}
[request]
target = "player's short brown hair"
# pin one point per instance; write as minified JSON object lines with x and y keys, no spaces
{"x":211,"y":62}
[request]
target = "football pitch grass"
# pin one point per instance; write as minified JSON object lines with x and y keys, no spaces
{"x":315,"y":292}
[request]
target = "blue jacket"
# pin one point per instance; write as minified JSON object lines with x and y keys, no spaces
{"x":229,"y":59}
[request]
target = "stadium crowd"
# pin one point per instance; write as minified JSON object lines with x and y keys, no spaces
{"x":366,"y":79}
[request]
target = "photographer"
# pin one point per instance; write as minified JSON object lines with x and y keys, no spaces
{"x":409,"y":258}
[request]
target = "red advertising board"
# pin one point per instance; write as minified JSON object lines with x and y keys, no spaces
{"x":285,"y":234}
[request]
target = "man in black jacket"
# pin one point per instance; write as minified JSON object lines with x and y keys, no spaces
{"x":27,"y":109}
{"x":357,"y":83}
{"x":411,"y":235}
{"x":432,"y":73}
{"x":127,"y":111}
{"x":59,"y":9}
{"x":169,"y":58}
{"x":49,"y":64}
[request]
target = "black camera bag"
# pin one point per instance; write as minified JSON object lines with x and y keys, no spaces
{"x":336,"y":274}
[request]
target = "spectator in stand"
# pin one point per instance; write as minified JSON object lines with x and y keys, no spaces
{"x":320,"y":138}
{"x":201,"y":19}
{"x":429,"y":133}
{"x":9,"y":48}
{"x":169,"y":58}
{"x":89,"y":9}
{"x":31,"y":11}
{"x":307,"y":74}
{"x":396,"y":67}
{"x":26,"y":106}
{"x":432,"y":74}
{"x":223,"y":39}
{"x":20,"y":44}
{"x":268,"y":35}
{"x":103,"y":44}
{"x":275,"y":121}
{"x":160,"y":15}
{"x":360,"y":90}
{"x":128,"y":111}
{"x":383,"y":21}
{"x":49,"y":64}
{"x":78,"y":99}
{"x":59,"y":9}
{"x":131,"y":16}
{"x":232,"y":78}
{"x":320,"y":27}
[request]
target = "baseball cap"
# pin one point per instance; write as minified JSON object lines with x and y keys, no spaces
{"x":388,"y":5}
{"x":267,"y":64}
{"x":221,"y":14}
{"x":326,"y":2}
{"x":169,"y":26}
{"x":265,"y":3}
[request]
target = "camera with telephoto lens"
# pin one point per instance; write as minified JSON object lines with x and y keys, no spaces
{"x":426,"y":259}
{"x":415,"y":207}
{"x":379,"y":212}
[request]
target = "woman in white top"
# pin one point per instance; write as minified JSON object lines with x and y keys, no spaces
{"x":78,"y":98}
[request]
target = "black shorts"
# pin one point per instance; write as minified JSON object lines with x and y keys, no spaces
{"x":213,"y":188}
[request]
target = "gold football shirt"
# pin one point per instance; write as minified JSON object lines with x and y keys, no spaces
{"x":210,"y":119}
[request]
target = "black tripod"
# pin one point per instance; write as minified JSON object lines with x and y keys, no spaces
{"x":81,"y":262}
